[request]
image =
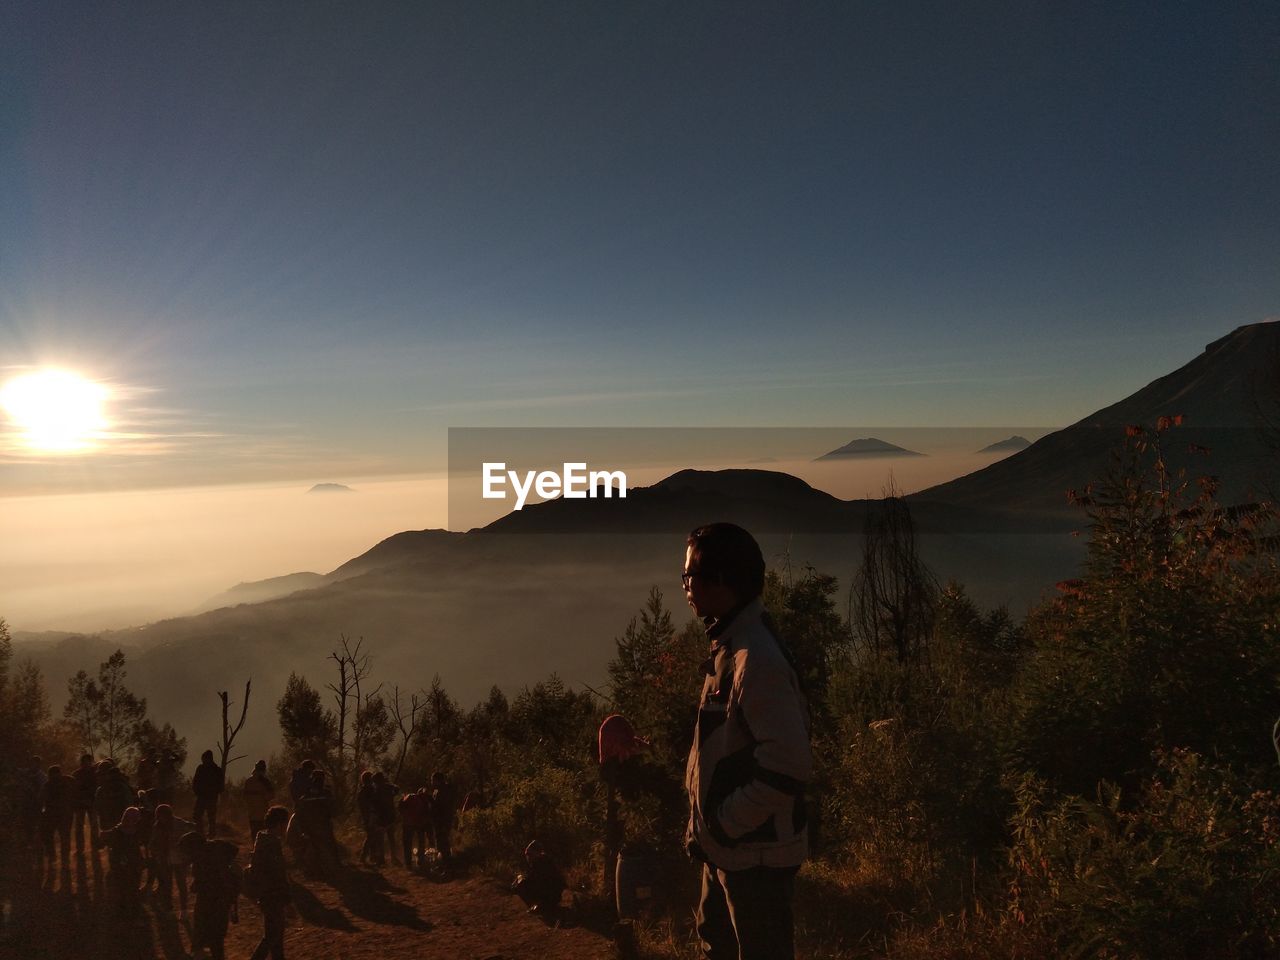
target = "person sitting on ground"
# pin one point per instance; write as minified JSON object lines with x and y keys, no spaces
{"x":542,"y":885}
{"x":258,"y":794}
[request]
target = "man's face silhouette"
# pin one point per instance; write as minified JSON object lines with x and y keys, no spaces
{"x":703,"y":590}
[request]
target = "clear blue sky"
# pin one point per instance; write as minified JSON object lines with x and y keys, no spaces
{"x":308,"y":237}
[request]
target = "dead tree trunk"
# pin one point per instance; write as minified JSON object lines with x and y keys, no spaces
{"x":229,"y":732}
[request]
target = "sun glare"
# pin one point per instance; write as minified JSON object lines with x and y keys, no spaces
{"x":55,"y":410}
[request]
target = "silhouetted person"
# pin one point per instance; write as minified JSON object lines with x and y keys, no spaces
{"x":124,"y":854}
{"x":167,"y":775}
{"x":113,"y":795}
{"x":542,"y":885}
{"x":444,"y":803}
{"x":207,"y":784}
{"x":215,"y":880}
{"x":384,"y":812}
{"x":270,"y":883}
{"x":30,"y":783}
{"x":415,"y":821}
{"x":750,"y":758}
{"x":311,"y":830}
{"x":300,"y":781}
{"x":146,"y":774}
{"x":258,"y":794}
{"x":366,"y":802}
{"x":84,"y":786}
{"x":169,"y":863}
{"x":55,"y":814}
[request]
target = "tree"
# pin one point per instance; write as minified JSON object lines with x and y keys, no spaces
{"x":654,"y":678}
{"x":636,"y":663}
{"x":893,"y":597}
{"x":377,"y":729}
{"x":408,"y":721}
{"x":81,"y":710}
{"x":1177,"y":615}
{"x":117,"y":711}
{"x":309,"y":729}
{"x":354,"y":666}
{"x":229,"y":730}
{"x":6,"y":655}
{"x":804,"y":612}
{"x":160,"y":741}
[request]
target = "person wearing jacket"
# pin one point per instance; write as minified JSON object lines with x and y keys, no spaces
{"x":258,"y":794}
{"x":270,"y":883}
{"x":750,"y":758}
{"x":113,"y":795}
{"x":55,"y":815}
{"x":124,"y":856}
{"x":215,"y":880}
{"x":85,"y":785}
{"x":207,"y":785}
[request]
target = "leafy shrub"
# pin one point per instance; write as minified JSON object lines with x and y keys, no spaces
{"x":1190,"y":871}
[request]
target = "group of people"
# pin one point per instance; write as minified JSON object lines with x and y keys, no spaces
{"x":151,"y":850}
{"x":426,"y":820}
{"x":746,"y":775}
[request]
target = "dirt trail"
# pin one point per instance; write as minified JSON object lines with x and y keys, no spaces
{"x":363,"y":914}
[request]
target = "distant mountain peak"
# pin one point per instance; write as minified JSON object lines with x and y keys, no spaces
{"x":330,"y":488}
{"x":1217,"y":394}
{"x":868,"y":447}
{"x":1007,"y":446}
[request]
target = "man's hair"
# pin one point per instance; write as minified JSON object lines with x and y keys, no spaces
{"x":276,"y":814}
{"x":207,"y":755}
{"x":727,"y":551}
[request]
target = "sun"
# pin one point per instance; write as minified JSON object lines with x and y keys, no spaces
{"x":55,"y":410}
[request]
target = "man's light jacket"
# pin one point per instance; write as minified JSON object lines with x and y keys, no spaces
{"x":750,"y":759}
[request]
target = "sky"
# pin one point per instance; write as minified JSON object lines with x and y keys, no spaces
{"x":303,"y":240}
{"x":298,"y":242}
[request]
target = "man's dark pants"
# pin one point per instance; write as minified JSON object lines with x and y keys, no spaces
{"x":746,"y":914}
{"x":272,"y":942}
{"x":206,"y":805}
{"x":411,"y":836}
{"x":80,"y":816}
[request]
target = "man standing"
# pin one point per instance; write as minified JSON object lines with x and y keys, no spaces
{"x":207,"y":784}
{"x":271,"y":883}
{"x":750,"y":758}
{"x":55,"y":815}
{"x":444,"y":801}
{"x":85,"y":781}
{"x":258,"y":794}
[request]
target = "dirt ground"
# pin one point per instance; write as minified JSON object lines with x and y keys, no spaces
{"x":357,"y":913}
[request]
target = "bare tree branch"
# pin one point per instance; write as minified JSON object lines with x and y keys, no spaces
{"x":229,"y":732}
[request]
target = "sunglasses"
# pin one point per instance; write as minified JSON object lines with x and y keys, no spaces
{"x":687,"y":576}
